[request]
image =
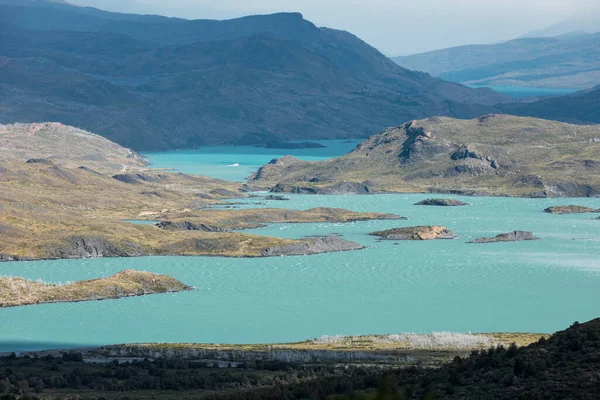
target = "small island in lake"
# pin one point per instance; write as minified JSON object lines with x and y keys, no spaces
{"x":416,"y":233}
{"x":514,"y":236}
{"x":20,"y":292}
{"x":441,"y":202}
{"x":571,"y":210}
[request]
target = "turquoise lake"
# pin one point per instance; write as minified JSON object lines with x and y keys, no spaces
{"x":524,"y":91}
{"x":390,"y":287}
{"x":220,"y":161}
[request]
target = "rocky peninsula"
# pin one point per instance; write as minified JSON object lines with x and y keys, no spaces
{"x":74,"y":205}
{"x":499,"y":155}
{"x":19,"y":292}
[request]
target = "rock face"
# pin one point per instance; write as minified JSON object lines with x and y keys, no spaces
{"x":499,"y":155}
{"x":570,"y":210}
{"x":95,"y":246}
{"x":441,"y":202}
{"x":139,"y":178}
{"x":8,"y":257}
{"x":416,"y":233}
{"x":188,"y":226}
{"x":514,"y":236}
{"x":336,"y":188}
{"x":317,"y":245}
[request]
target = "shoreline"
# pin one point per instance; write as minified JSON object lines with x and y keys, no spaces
{"x":375,"y":347}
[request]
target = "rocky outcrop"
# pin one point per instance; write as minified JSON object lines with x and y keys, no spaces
{"x":416,"y":233}
{"x":8,"y":257}
{"x":441,"y":202}
{"x":95,"y":246}
{"x":570,"y":210}
{"x":514,"y":236}
{"x":276,"y":198}
{"x":139,"y":178}
{"x":225,"y":193}
{"x":337,"y":188}
{"x":188,"y":226}
{"x":39,"y":161}
{"x":316,"y":245}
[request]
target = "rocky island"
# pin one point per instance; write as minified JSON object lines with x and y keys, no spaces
{"x":514,"y":236}
{"x":416,"y":233}
{"x":570,"y":210}
{"x":19,"y":292}
{"x":441,"y":203}
{"x":499,"y":155}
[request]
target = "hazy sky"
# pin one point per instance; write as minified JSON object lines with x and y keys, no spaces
{"x":395,"y":27}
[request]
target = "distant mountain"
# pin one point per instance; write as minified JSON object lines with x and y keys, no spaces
{"x":500,"y":155}
{"x":577,"y":24}
{"x":579,"y":108}
{"x":571,"y":61}
{"x":151,"y":82}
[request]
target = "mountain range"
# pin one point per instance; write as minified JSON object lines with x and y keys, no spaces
{"x":150,"y":82}
{"x":569,"y":61}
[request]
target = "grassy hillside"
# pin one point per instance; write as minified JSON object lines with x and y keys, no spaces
{"x":19,"y":292}
{"x":66,"y":146}
{"x":154,"y":83}
{"x":558,"y":62}
{"x":57,"y":211}
{"x":490,"y":155}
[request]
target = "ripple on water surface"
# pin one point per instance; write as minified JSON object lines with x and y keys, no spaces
{"x":389,"y":287}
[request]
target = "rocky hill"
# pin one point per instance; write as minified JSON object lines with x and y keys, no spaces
{"x":149,"y":82}
{"x":65,"y":146}
{"x":490,"y":155}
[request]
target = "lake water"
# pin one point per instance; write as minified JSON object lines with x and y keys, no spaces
{"x":524,"y":91}
{"x":390,"y":287}
{"x":220,"y":161}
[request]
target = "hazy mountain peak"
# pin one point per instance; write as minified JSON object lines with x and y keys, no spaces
{"x":572,"y":26}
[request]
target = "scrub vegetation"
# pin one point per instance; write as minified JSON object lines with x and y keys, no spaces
{"x":563,"y":365}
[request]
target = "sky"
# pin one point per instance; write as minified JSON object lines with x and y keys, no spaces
{"x":395,"y":27}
